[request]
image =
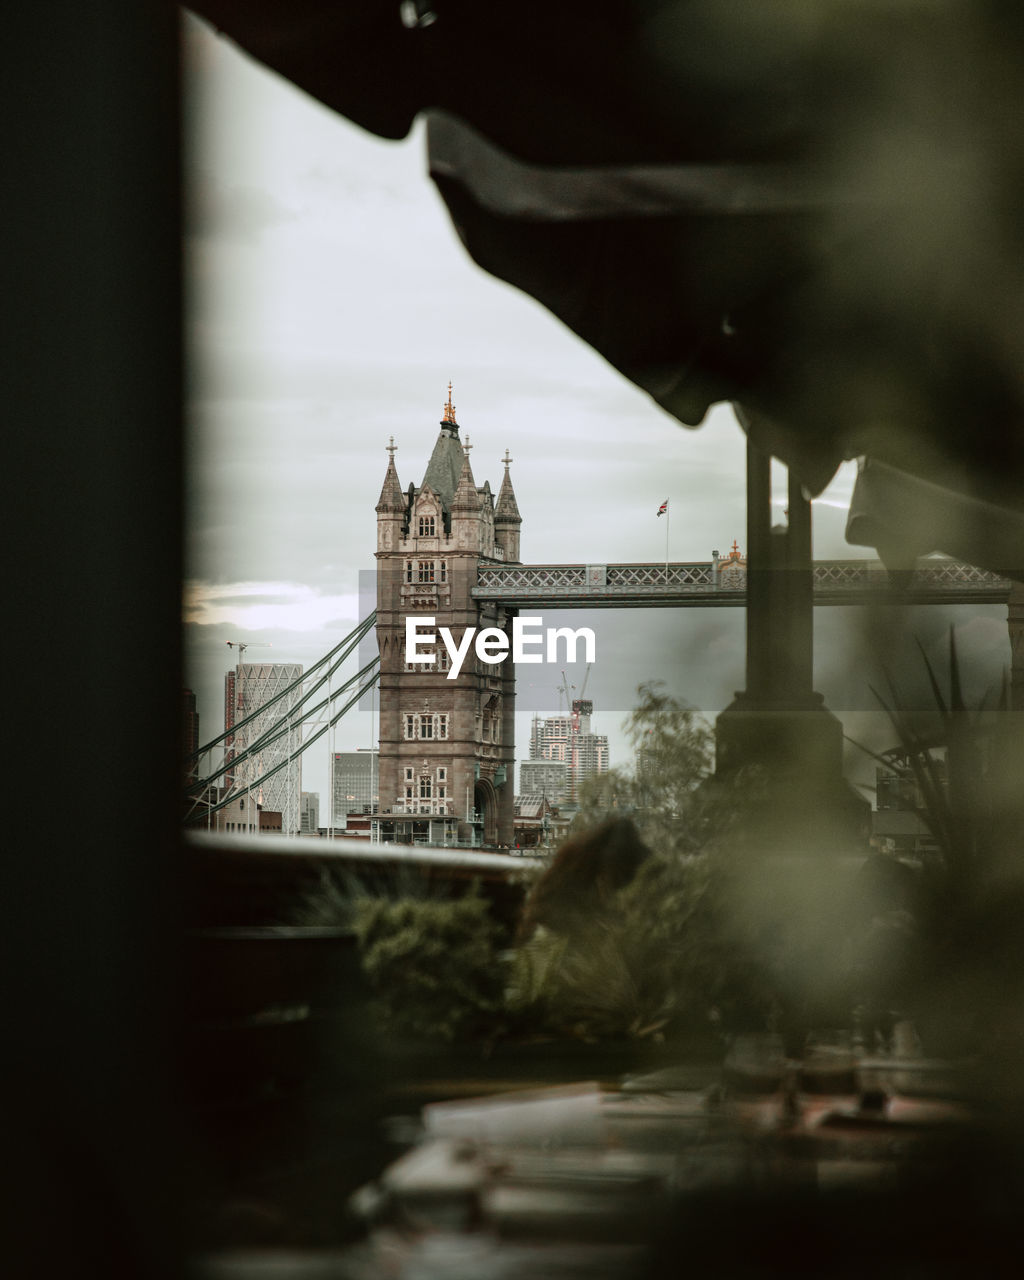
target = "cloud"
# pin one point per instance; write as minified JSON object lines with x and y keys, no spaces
{"x":260,"y":606}
{"x":234,"y":213}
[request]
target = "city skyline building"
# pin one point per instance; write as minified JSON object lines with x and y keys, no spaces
{"x":590,"y":758}
{"x":354,"y":784}
{"x":309,"y":812}
{"x":190,"y":740}
{"x":230,"y":716}
{"x":547,"y":778}
{"x":274,"y":774}
{"x":570,"y":741}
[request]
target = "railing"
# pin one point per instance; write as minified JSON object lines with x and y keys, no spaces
{"x":422,"y":808}
{"x":933,"y":578}
{"x":679,"y":575}
{"x":722,"y":582}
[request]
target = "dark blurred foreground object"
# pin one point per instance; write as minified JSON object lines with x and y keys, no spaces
{"x":91,"y":383}
{"x":812,"y":211}
{"x":773,"y":1169}
{"x":583,"y":876}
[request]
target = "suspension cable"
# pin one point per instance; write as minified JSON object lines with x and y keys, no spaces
{"x":233,"y":795}
{"x":352,"y":639}
{"x":278,"y":731}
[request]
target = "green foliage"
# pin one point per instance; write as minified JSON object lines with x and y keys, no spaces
{"x":662,"y":953}
{"x":971,"y":912}
{"x":679,"y":929}
{"x":658,"y":960}
{"x":665,"y":796}
{"x":332,"y":904}
{"x":639,"y":929}
{"x":962,"y":805}
{"x":680,"y":807}
{"x":434,"y":966}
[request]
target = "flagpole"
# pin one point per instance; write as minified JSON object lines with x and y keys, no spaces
{"x":668,"y":517}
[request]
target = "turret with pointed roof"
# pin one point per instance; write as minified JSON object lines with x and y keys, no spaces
{"x":466,"y":497}
{"x":506,"y":516}
{"x":392,"y":507}
{"x":391,"y":496}
{"x":445,"y":466}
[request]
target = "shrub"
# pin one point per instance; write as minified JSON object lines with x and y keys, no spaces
{"x":434,"y":966}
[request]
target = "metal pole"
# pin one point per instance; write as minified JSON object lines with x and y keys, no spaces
{"x":759,"y":570}
{"x":374,"y":763}
{"x":799,"y":596}
{"x":240,"y":705}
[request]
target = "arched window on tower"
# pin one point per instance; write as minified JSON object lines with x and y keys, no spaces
{"x":426,"y":526}
{"x":491,"y":721}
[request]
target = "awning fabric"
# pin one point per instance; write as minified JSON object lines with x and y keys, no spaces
{"x":812,"y":210}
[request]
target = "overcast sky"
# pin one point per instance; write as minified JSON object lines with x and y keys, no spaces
{"x":329,"y":305}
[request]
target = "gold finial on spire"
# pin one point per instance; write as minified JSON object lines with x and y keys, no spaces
{"x":507,"y":460}
{"x":449,"y":409}
{"x":392,"y":448}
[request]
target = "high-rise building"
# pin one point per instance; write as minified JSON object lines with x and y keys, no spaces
{"x":230,"y":715}
{"x":550,"y":738}
{"x":274,"y":773}
{"x":547,"y":778}
{"x":447,"y":747}
{"x":189,"y":735}
{"x":589,"y":757}
{"x":354,"y":784}
{"x":569,"y":740}
{"x":309,"y":812}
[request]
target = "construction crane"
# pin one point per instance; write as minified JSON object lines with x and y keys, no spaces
{"x":565,"y":691}
{"x":242,"y":645}
{"x":579,"y":706}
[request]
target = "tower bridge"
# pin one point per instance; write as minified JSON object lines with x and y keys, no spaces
{"x":449,"y":548}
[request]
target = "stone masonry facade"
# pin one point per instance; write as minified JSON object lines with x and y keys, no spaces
{"x":447,"y":747}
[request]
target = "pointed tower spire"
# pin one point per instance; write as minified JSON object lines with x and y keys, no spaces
{"x":449,"y":412}
{"x":391,"y":496}
{"x":466,"y":499}
{"x":507,"y":509}
{"x":506,"y":515}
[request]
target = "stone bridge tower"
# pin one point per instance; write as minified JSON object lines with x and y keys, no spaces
{"x":447,"y":747}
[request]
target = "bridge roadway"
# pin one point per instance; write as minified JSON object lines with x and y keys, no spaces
{"x":721,"y":583}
